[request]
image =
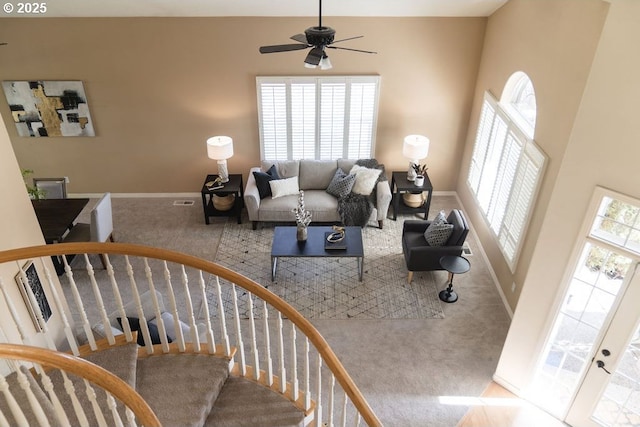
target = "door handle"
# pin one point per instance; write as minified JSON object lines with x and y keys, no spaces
{"x":601,"y":365}
{"x":606,"y":352}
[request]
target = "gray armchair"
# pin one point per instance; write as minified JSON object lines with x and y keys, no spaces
{"x":419,"y":256}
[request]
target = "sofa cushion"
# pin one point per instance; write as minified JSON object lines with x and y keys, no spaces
{"x":346,"y":164}
{"x":316,"y":174}
{"x":134,"y":324}
{"x":284,"y":187}
{"x":341,"y":184}
{"x":285,"y":168}
{"x":366,"y":179}
{"x":262,"y":181}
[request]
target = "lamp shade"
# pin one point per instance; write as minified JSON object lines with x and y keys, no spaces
{"x":220,"y":147}
{"x":415,"y":147}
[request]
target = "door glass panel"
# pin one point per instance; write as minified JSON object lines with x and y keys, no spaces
{"x":591,"y":294}
{"x":618,"y":223}
{"x":620,"y":403}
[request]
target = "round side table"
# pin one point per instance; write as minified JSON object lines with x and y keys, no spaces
{"x":454,"y":265}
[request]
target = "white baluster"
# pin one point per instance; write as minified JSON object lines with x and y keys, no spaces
{"x":344,"y":410}
{"x":33,"y":400}
{"x":195,"y":339}
{"x":254,"y":340}
{"x":358,"y":418}
{"x":158,"y":314}
{"x":77,"y":407}
{"x":283,"y":370}
{"x":47,"y":385}
{"x":174,"y":308}
{"x":319,"y":392}
{"x":294,"y":364}
{"x":223,"y":319}
{"x":98,"y":296}
{"x":86,"y":326}
{"x":3,"y":421}
{"x":332,"y":392}
{"x":113,"y":407}
{"x":91,"y":394}
{"x":62,"y":310}
{"x":141,"y":315}
{"x":116,"y":295}
{"x":14,"y":314}
{"x":307,"y":375}
{"x":211,"y":342}
{"x":131,"y":417}
{"x":14,"y":407}
{"x":236,"y":318}
{"x":267,"y":344}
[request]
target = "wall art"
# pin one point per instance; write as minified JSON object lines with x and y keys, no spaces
{"x":34,"y":283}
{"x":49,"y":108}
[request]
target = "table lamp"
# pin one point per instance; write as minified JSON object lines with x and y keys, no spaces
{"x":415,"y":148}
{"x":220,"y":148}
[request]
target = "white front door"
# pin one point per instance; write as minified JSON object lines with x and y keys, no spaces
{"x":610,"y":392}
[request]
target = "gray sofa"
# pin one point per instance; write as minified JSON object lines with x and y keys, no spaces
{"x":314,"y":177}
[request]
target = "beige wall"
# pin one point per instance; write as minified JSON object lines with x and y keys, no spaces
{"x":603,"y":150}
{"x":18,"y":228}
{"x":157,"y":88}
{"x":554,"y":43}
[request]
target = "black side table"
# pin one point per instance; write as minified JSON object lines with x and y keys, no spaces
{"x":234,"y":186}
{"x":454,"y":265}
{"x":400,"y":184}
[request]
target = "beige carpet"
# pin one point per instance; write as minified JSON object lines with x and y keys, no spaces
{"x":328,"y":288}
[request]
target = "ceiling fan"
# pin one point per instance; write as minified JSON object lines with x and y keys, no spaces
{"x":318,"y":39}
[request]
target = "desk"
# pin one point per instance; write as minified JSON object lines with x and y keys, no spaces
{"x":56,"y":216}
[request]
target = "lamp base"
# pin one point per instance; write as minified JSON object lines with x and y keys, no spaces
{"x":223,"y":173}
{"x":411,"y":173}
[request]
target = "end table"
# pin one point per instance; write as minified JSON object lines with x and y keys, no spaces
{"x":234,"y":186}
{"x":400,"y":184}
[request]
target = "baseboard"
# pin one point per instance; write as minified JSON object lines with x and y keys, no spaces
{"x":137,"y":195}
{"x":494,"y":277}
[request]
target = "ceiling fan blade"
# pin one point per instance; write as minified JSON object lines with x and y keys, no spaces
{"x":282,"y":48}
{"x":350,"y":38}
{"x":354,"y":50}
{"x":4,"y":44}
{"x":314,"y":56}
{"x":300,"y":38}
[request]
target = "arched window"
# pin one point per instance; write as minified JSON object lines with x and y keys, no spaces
{"x":506,"y":167}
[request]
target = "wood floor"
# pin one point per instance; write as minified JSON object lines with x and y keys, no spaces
{"x":497,"y":407}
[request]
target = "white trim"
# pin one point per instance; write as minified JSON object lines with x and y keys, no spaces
{"x":136,"y":195}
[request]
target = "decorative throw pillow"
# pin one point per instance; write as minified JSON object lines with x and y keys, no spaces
{"x":263,"y":179}
{"x":441,"y":218}
{"x":366,"y":179}
{"x":437,"y":234}
{"x":134,"y":324}
{"x":341,"y":184}
{"x":284,"y":187}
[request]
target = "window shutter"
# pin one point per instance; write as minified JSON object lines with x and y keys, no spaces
{"x":273,"y":120}
{"x":303,"y":118}
{"x":332,"y":120}
{"x":361,"y":120}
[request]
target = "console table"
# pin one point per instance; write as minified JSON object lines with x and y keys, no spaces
{"x":400,"y":184}
{"x":234,"y":186}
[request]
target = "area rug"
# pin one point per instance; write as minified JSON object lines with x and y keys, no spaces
{"x":328,"y":288}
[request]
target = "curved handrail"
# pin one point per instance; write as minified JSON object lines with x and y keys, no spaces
{"x":87,"y":370}
{"x":323,"y":348}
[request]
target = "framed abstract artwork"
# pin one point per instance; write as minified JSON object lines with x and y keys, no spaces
{"x":49,"y":108}
{"x":33,"y":282}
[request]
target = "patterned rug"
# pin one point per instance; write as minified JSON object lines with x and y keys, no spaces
{"x":328,"y":288}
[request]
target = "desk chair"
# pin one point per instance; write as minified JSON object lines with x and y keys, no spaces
{"x":53,"y":188}
{"x":99,"y":230}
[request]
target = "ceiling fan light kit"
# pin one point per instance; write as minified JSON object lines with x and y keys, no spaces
{"x":318,"y":39}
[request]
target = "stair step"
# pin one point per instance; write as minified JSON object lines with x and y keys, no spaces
{"x":21,"y":396}
{"x":119,"y":360}
{"x":181,"y":388}
{"x":245,"y":403}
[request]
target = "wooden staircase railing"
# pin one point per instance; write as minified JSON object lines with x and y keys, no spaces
{"x":286,"y":352}
{"x":44,"y":360}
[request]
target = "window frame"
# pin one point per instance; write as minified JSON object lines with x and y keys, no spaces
{"x":322,"y":140}
{"x":502,"y":125}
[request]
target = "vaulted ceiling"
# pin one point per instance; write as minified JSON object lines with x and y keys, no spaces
{"x":122,"y":8}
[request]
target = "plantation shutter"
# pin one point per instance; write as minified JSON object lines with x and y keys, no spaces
{"x":504,"y":174}
{"x":317,"y":117}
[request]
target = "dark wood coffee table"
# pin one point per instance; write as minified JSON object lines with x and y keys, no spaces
{"x":285,"y":245}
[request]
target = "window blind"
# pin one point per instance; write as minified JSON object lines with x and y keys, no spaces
{"x":317,"y":117}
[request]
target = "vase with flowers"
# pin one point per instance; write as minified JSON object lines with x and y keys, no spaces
{"x":303,"y":218}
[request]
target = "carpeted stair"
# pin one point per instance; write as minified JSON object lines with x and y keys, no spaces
{"x":182,"y":389}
